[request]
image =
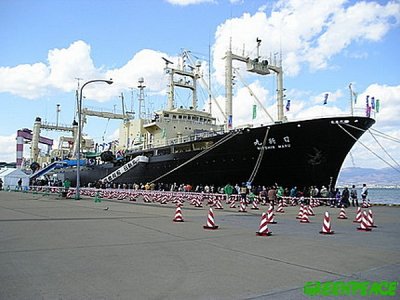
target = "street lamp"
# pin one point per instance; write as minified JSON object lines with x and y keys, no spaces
{"x":78,"y":148}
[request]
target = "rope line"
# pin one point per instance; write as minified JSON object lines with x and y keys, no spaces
{"x":387,"y":153}
{"x":366,"y":147}
{"x":381,"y":134}
{"x":260,"y":156}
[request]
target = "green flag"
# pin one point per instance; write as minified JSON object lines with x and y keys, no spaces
{"x":377,"y":105}
{"x":254,"y":111}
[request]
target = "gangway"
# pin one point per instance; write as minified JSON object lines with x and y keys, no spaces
{"x":125,"y":168}
{"x":44,"y":171}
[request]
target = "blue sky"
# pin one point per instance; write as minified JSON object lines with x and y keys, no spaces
{"x":325,"y":45}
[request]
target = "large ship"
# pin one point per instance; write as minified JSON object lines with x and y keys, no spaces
{"x":186,"y":145}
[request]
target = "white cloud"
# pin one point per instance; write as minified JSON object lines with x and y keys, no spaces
{"x":389,"y":97}
{"x":362,"y":21}
{"x":242,"y":105}
{"x":147,"y":64}
{"x":70,"y":63}
{"x":38,"y":79}
{"x":188,"y":2}
{"x":28,"y":81}
{"x":8,"y":146}
{"x":307,"y":32}
{"x":67,"y":64}
{"x":332,"y":97}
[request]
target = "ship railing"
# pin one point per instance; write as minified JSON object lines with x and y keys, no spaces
{"x":358,"y":112}
{"x":187,"y":138}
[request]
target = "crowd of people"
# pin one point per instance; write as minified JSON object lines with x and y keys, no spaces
{"x":273,"y":194}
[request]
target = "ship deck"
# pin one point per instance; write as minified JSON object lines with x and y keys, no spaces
{"x":57,"y":248}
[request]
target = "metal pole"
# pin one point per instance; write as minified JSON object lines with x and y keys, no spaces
{"x":78,"y":148}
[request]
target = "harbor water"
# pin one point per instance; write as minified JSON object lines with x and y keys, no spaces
{"x":383,"y":195}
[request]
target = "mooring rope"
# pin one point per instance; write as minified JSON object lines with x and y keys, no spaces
{"x":383,"y":135}
{"x":259,"y":159}
{"x":366,"y":147}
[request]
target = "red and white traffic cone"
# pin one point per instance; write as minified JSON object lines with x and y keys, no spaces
{"x":178,"y":215}
{"x":342,"y":214}
{"x":280,"y":208}
{"x":270,"y":215}
{"x":371,"y":219}
{"x":300,"y":214}
{"x":218,"y":204}
{"x":146,"y":198}
{"x":233,"y":203}
{"x":304,"y":217}
{"x":364,"y":224}
{"x":198,"y":203}
{"x":326,"y":226}
{"x":254,"y":205}
{"x":210,"y":221}
{"x":242,"y":207}
{"x":310,"y":210}
{"x":263,"y":230}
{"x":358,"y":216}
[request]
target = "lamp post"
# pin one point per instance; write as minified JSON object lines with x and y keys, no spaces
{"x":78,"y":148}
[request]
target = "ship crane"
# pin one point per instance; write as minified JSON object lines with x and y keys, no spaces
{"x":178,"y":77}
{"x":125,"y":116}
{"x":65,"y":128}
{"x":255,"y":66}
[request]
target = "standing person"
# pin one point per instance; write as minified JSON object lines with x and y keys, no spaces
{"x":324,"y":192}
{"x":364,"y":193}
{"x":272,"y":196}
{"x":336,"y":198}
{"x":243,"y":192}
{"x":263,"y":195}
{"x":20,"y":184}
{"x":353,"y":195}
{"x":67,"y":184}
{"x":345,"y":198}
{"x":228,"y":190}
{"x":279,"y":194}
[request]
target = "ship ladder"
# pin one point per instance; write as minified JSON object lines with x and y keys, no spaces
{"x":220,"y":142}
{"x":259,"y":159}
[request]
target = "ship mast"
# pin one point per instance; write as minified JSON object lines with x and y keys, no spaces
{"x":185,"y":77}
{"x":257,"y":66}
{"x":142,"y":109}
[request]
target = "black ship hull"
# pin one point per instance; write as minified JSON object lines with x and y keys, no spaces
{"x":303,"y":153}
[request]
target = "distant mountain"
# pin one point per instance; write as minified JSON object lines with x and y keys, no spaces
{"x":372,"y":177}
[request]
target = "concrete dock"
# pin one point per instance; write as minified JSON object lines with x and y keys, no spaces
{"x":57,"y":248}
